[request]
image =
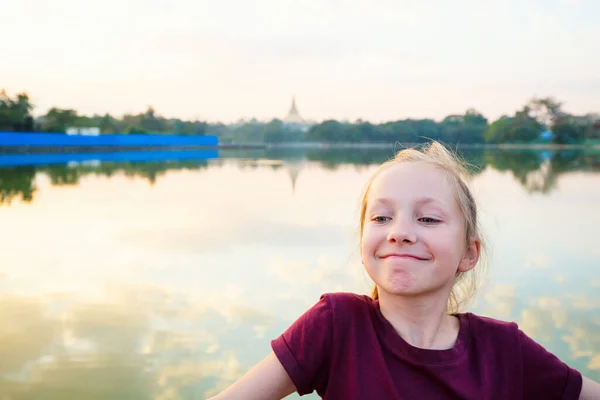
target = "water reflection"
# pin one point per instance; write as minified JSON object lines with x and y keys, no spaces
{"x":535,"y":170}
{"x":19,"y":182}
{"x":175,"y":350}
{"x":568,"y":322}
{"x":24,"y":333}
{"x":41,"y":355}
{"x":168,"y":280}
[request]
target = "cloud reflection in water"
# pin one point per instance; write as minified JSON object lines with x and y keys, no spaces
{"x":117,"y":288}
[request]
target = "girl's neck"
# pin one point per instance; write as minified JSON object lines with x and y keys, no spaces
{"x":421,"y":322}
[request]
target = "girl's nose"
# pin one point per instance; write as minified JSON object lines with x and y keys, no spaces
{"x":402,"y":232}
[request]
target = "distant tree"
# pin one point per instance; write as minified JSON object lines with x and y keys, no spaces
{"x":365,"y":130}
{"x":274,"y":131}
{"x":565,"y":128}
{"x":218,"y":129}
{"x":547,"y":111}
{"x":474,"y":117}
{"x":567,"y":131}
{"x":15,"y":114}
{"x":525,"y":128}
{"x":108,"y":124}
{"x":498,"y":131}
{"x":403,"y":131}
{"x":58,"y":120}
{"x":198,"y":128}
{"x":426,"y":129}
{"x":131,"y":129}
{"x":327,"y":131}
{"x":522,"y":127}
{"x":22,"y":108}
{"x":385,"y":132}
{"x":467,"y":128}
{"x":151,"y":123}
{"x":249,"y":132}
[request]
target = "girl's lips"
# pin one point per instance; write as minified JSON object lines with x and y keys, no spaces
{"x":403,"y":255}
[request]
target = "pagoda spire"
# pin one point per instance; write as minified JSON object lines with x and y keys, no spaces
{"x":294,"y":110}
{"x":293,"y":115}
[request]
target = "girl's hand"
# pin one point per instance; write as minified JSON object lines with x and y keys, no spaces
{"x":590,"y":390}
{"x":268,"y":380}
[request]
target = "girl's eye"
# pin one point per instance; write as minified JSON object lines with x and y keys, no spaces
{"x":429,"y":220}
{"x":380,"y":219}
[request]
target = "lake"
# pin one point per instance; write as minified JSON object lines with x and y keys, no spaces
{"x":168,"y":280}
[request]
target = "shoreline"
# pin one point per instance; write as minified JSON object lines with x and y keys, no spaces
{"x":501,"y":146}
{"x":114,"y":149}
{"x":295,"y":145}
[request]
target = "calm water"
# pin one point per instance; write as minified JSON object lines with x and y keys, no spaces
{"x":168,"y":280}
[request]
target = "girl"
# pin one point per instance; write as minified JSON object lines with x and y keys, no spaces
{"x":420,"y":243}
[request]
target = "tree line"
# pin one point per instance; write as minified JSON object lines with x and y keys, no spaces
{"x":16,"y":116}
{"x":539,"y":121}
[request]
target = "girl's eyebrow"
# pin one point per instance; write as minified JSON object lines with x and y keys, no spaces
{"x":384,"y":201}
{"x":427,"y":200}
{"x":420,"y":201}
{"x":391,"y":203}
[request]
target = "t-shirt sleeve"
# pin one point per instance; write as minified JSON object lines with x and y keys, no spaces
{"x":544,"y":375}
{"x":304,"y":349}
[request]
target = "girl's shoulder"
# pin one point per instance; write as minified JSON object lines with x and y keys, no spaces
{"x":347,"y":301}
{"x":346,"y":307}
{"x":491,"y":330}
{"x":489,"y":323}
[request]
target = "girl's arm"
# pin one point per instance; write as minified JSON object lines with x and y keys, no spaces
{"x":590,"y":390}
{"x":268,"y":380}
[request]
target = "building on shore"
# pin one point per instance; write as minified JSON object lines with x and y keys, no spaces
{"x":293,"y":116}
{"x":89,"y":131}
{"x":294,"y":120}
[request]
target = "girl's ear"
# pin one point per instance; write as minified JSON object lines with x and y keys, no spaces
{"x":471,"y":256}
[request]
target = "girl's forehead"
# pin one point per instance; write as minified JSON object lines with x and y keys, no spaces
{"x":413,"y":182}
{"x":412,"y":176}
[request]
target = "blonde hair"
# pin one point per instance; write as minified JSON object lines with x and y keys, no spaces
{"x":434,"y":153}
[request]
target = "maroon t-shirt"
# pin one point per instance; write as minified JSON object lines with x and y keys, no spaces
{"x":344,"y":348}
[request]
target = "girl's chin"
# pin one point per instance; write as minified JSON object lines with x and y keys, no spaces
{"x":400,"y":279}
{"x":400,"y":287}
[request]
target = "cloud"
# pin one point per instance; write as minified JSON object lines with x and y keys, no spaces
{"x":250,"y":230}
{"x":500,"y":300}
{"x":555,"y":320}
{"x":25,"y":332}
{"x":594,"y":362}
{"x":538,"y":261}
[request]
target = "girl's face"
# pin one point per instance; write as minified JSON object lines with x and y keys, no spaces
{"x":413,"y":240}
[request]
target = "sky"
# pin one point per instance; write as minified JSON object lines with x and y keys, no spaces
{"x":227,"y":60}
